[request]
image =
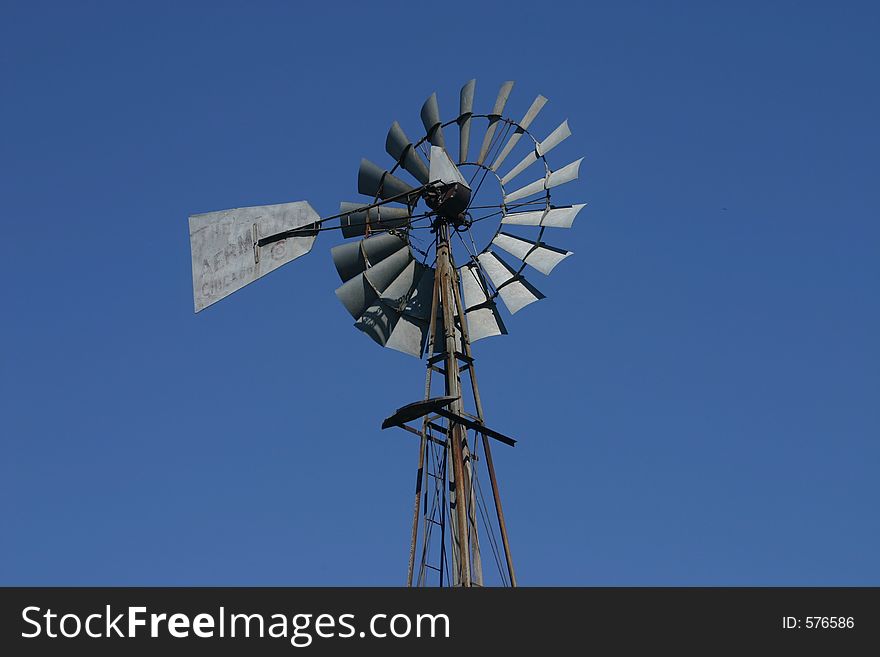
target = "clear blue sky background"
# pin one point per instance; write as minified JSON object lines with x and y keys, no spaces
{"x":696,"y":400}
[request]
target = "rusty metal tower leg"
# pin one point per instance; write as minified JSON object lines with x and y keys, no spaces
{"x":453,"y":496}
{"x":456,"y":436}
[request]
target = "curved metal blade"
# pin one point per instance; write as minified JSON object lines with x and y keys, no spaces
{"x":385,"y":272}
{"x":395,"y":294}
{"x":431,"y":120}
{"x":399,"y":319}
{"x":224,"y":250}
{"x":566,"y":174}
{"x":379,"y":218}
{"x":406,"y":293}
{"x":356,"y":294}
{"x":352,"y":258}
{"x":539,"y":255}
{"x":481,"y":313}
{"x":553,"y":139}
{"x":409,"y":336}
{"x":524,"y":124}
{"x":398,"y":146}
{"x":390,"y":329}
{"x":515,"y":291}
{"x":561,"y":217}
{"x":494,"y":117}
{"x":378,"y":321}
{"x":465,"y":110}
{"x":420,"y":300}
{"x":359,"y":292}
{"x":443,"y":169}
{"x":374,"y":181}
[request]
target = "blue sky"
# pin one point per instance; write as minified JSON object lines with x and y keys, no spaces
{"x":696,"y":400}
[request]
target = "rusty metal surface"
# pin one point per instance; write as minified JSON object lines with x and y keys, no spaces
{"x":476,"y":426}
{"x":225,"y":256}
{"x":416,"y":410}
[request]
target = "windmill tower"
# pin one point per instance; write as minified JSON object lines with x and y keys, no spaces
{"x":415,"y":280}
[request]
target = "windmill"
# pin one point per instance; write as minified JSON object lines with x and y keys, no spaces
{"x":402,"y":285}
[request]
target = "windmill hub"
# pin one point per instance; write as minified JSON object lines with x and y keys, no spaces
{"x":449,"y":201}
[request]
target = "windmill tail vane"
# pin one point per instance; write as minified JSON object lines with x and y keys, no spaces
{"x":402,"y":286}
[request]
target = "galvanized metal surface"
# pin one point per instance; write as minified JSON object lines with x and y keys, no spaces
{"x":481,"y":313}
{"x":357,"y":293}
{"x":431,"y":120}
{"x":355,"y":221}
{"x":561,"y":217}
{"x":553,"y":179}
{"x":542,"y":257}
{"x":383,"y":273}
{"x":393,"y":330}
{"x":418,"y":302}
{"x":398,"y":146}
{"x":515,"y":291}
{"x":375,"y":181}
{"x":465,"y":110}
{"x":443,"y":169}
{"x":494,"y":118}
{"x":566,"y":174}
{"x":225,"y":256}
{"x":386,"y":291}
{"x":523,"y":125}
{"x":553,"y":139}
{"x":352,"y":258}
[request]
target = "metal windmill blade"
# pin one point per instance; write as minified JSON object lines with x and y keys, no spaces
{"x":415,"y":280}
{"x":466,"y":106}
{"x":539,"y":255}
{"x":521,"y":128}
{"x":398,"y":146}
{"x":550,"y":217}
{"x":553,"y":179}
{"x":494,"y":117}
{"x":480,"y":311}
{"x":384,"y":289}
